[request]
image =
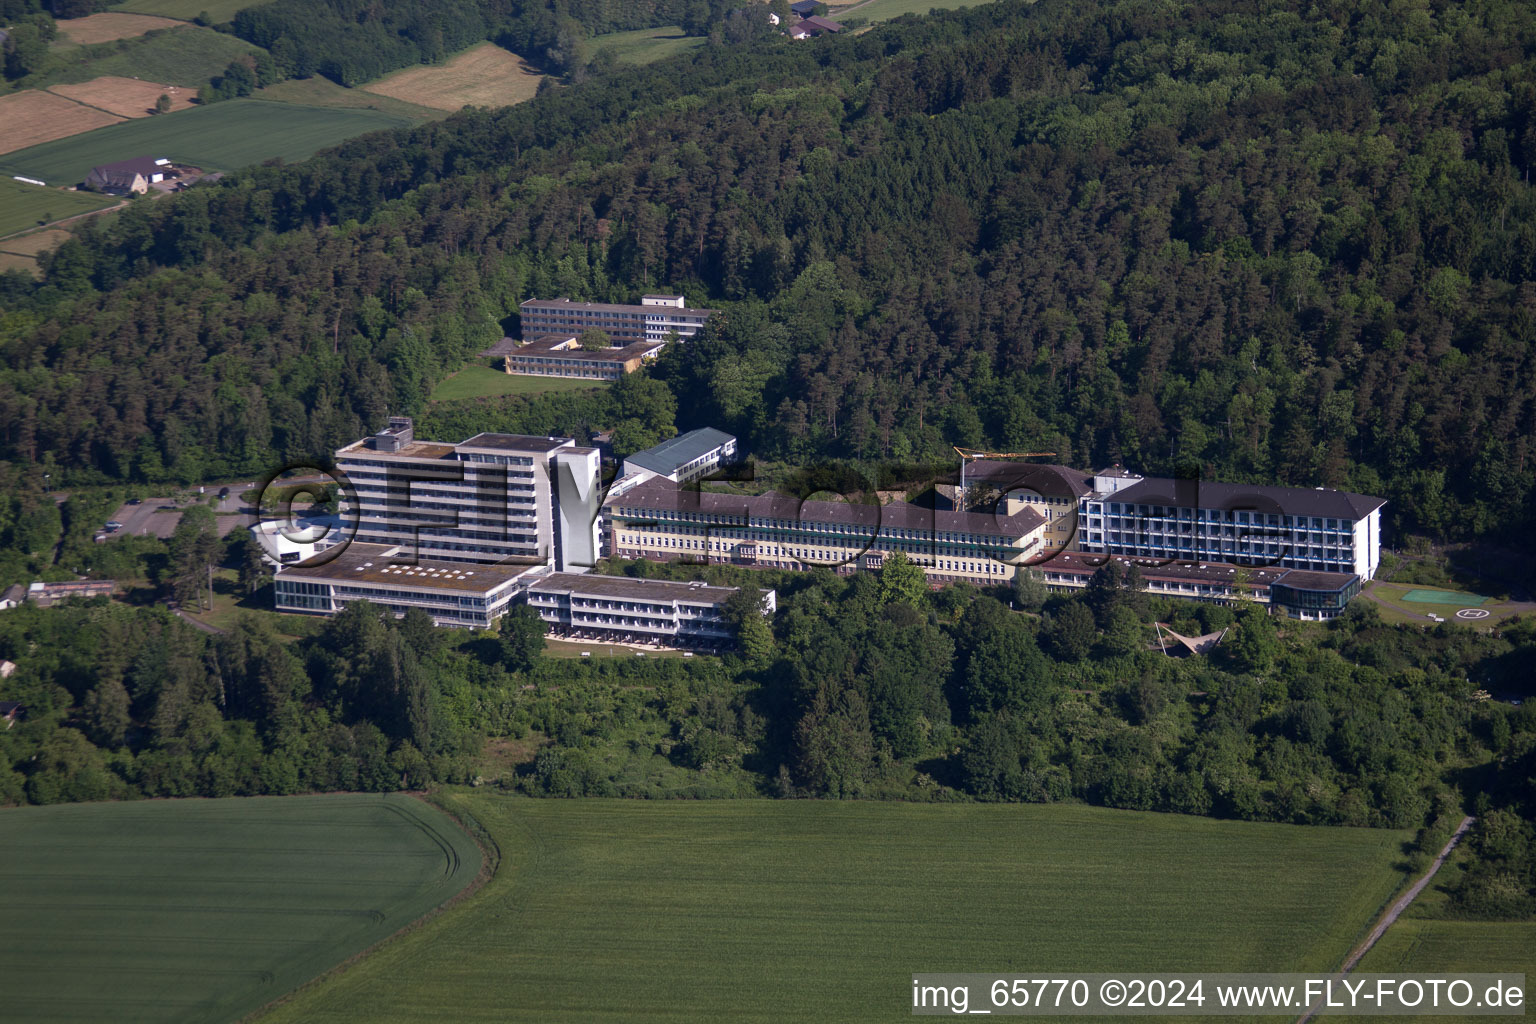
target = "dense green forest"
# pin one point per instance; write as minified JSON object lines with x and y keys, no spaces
{"x":1278,"y":245}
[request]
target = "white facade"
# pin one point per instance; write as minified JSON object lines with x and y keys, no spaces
{"x":453,"y":593}
{"x":1197,"y":521}
{"x":493,"y":498}
{"x":595,"y":607}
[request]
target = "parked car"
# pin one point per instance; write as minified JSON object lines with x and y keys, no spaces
{"x":135,"y":501}
{"x":223,"y":494}
{"x":113,"y":526}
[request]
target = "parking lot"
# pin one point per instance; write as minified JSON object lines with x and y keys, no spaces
{"x":159,"y":516}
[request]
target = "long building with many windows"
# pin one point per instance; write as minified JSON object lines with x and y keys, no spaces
{"x":1319,"y":530}
{"x":453,"y":593}
{"x":1299,"y":593}
{"x":657,"y":317}
{"x":589,"y":606}
{"x":661,"y":521}
{"x":493,"y":498}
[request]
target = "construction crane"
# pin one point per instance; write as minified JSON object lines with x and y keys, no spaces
{"x":967,"y":454}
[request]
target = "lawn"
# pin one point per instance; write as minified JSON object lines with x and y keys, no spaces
{"x":322,"y":92}
{"x":645,"y":45}
{"x":185,"y":55}
{"x":218,"y":11}
{"x":1410,"y":603}
{"x":204,"y":910}
{"x":222,"y":136}
{"x":480,"y":380}
{"x":573,"y":649}
{"x":27,"y":206}
{"x":885,"y":10}
{"x":749,"y":910}
{"x":484,"y":75}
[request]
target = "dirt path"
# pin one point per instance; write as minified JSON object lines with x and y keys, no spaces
{"x":199,"y":623}
{"x":1394,"y":911}
{"x":66,"y":220}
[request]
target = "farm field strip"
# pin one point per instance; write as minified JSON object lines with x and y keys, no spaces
{"x":645,"y":45}
{"x":207,"y":909}
{"x":485,"y":75}
{"x":125,"y":97}
{"x":223,"y":136}
{"x":109,"y":26}
{"x":218,"y":11}
{"x":25,"y":206}
{"x":749,"y":910}
{"x":32,"y":117}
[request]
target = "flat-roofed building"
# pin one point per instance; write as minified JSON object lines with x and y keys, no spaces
{"x":45,"y":595}
{"x":659,"y":520}
{"x":656,"y":317}
{"x":1299,"y":593}
{"x":1315,"y":529}
{"x":453,"y":593}
{"x":561,"y":355}
{"x":492,"y":498}
{"x":589,"y":606}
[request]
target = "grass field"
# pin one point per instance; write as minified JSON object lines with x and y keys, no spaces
{"x":21,"y":253}
{"x":479,"y":380}
{"x":322,"y":92}
{"x":819,"y":910}
{"x":109,"y":25}
{"x":885,"y":10}
{"x":484,"y":75}
{"x":645,"y":45}
{"x":186,"y":55}
{"x":1407,"y":603}
{"x":32,"y":117}
{"x":223,"y":136}
{"x":27,"y":206}
{"x":203,"y":910}
{"x":126,"y":97}
{"x":218,"y":11}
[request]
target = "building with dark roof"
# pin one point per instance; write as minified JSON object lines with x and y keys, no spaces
{"x":683,"y":458}
{"x":590,"y":606}
{"x":803,"y":8}
{"x":659,"y":520}
{"x":1009,"y":487}
{"x":654,"y":320}
{"x":1315,"y":529}
{"x":1298,"y":593}
{"x":127,"y":176}
{"x":814,"y":25}
{"x":561,"y":355}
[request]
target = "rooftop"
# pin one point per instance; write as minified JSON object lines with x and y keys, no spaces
{"x":145,"y":165}
{"x":411,"y":450}
{"x":1266,"y":498}
{"x":675,"y":453}
{"x":876,"y":519}
{"x":611,"y":307}
{"x":370,"y":563}
{"x":625,"y":588}
{"x":566,"y":347}
{"x":1199,"y":572}
{"x":1049,"y":480}
{"x":515,"y":442}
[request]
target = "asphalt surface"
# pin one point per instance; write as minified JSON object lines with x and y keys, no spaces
{"x":159,"y":516}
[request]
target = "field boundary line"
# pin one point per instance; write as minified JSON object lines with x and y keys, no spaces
{"x":66,"y":220}
{"x":88,"y":106}
{"x":474,"y":885}
{"x":1396,"y":909}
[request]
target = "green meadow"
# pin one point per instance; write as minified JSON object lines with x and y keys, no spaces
{"x":774,"y":911}
{"x":204,"y":910}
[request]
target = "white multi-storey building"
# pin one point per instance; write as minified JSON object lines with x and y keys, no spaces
{"x":1318,"y":529}
{"x":657,"y":317}
{"x":595,"y":607}
{"x":493,"y":498}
